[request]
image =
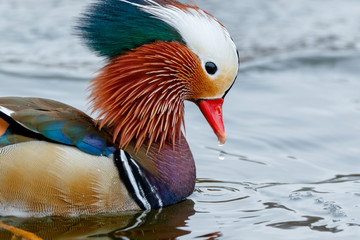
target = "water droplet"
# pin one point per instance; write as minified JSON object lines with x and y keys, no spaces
{"x":221,"y":156}
{"x":220,"y":144}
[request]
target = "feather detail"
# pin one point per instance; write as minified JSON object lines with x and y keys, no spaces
{"x":172,"y":170}
{"x":39,"y":178}
{"x":3,"y":127}
{"x":141,"y":94}
{"x":43,"y":119}
{"x":113,"y":27}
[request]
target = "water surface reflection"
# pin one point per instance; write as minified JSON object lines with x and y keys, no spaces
{"x":168,"y":223}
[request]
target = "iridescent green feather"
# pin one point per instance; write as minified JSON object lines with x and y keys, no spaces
{"x":113,"y":27}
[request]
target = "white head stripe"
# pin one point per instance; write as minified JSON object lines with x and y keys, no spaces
{"x":202,"y":33}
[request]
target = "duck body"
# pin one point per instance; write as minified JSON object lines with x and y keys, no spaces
{"x":56,"y":160}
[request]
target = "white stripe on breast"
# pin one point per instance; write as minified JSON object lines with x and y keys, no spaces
{"x":132,"y":179}
{"x":7,"y":111}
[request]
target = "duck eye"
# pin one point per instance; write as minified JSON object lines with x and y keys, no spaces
{"x":211,"y":68}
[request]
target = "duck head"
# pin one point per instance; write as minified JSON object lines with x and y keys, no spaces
{"x":160,"y":53}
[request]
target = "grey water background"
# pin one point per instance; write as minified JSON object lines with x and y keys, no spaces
{"x":291,"y":166}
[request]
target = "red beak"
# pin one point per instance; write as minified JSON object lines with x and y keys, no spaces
{"x":212,"y":110}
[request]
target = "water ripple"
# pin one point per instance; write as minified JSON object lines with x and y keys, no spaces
{"x":214,"y":191}
{"x":309,"y":222}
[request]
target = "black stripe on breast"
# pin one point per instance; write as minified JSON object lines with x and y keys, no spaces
{"x":139,"y":187}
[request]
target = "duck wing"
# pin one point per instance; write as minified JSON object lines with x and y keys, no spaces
{"x":29,"y":119}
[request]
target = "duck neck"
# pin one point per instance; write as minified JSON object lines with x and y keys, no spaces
{"x":156,"y":178}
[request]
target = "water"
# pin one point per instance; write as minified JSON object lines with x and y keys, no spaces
{"x":290,"y":167}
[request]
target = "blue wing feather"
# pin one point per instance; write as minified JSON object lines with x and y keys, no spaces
{"x":53,"y":121}
{"x":4,"y":138}
{"x":54,"y":131}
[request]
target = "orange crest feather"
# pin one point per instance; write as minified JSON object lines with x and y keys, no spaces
{"x":141,"y":94}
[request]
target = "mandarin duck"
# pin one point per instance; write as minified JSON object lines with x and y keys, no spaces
{"x":57,"y":160}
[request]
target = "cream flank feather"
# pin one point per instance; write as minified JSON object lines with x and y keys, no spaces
{"x":65,"y":182}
